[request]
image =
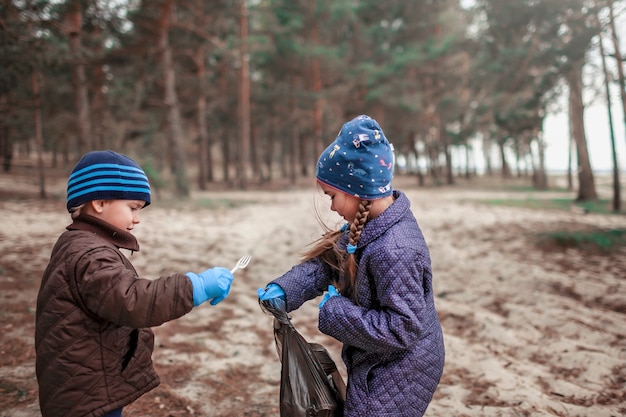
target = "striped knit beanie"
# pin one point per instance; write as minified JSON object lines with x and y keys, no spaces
{"x":106,"y":175}
{"x":360,"y":160}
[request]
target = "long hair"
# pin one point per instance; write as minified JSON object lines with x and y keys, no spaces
{"x":328,"y":251}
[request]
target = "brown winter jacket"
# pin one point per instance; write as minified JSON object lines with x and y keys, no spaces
{"x":93,"y":339}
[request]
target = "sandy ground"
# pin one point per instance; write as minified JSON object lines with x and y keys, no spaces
{"x":530,"y":329}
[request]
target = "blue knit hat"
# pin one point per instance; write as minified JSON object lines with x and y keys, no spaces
{"x":360,"y":161}
{"x":106,"y":175}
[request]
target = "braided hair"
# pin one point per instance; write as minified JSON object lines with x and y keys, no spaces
{"x":339,"y":258}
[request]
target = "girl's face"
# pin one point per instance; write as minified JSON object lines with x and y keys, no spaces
{"x":341,"y":203}
{"x":123,"y":214}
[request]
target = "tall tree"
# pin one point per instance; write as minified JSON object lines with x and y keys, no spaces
{"x":13,"y":64}
{"x":177,"y":154}
{"x":243,"y":164}
{"x":586,"y":184}
{"x":616,"y":183}
{"x":36,"y":81}
{"x":73,"y":29}
{"x":619,"y":60}
{"x":204,"y":149}
{"x":580,"y":28}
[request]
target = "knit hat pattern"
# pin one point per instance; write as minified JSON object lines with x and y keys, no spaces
{"x":106,"y":175}
{"x":360,"y":160}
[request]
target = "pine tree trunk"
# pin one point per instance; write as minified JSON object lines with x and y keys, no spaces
{"x":443,"y":139}
{"x":570,"y":152}
{"x":73,"y":28}
{"x":620,"y":62}
{"x":418,"y":171}
{"x":224,"y":136}
{"x":244,"y":99}
{"x":204,"y":164}
{"x":616,"y":184}
{"x":539,"y":171}
{"x":177,"y":155}
{"x":6,"y":146}
{"x":506,"y":170}
{"x":36,"y":84}
{"x":586,"y":184}
{"x":101,"y":139}
{"x":293,"y":138}
{"x":318,"y":143}
{"x":468,"y":168}
{"x":486,"y":142}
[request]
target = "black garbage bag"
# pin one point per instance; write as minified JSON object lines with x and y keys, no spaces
{"x":310,"y":384}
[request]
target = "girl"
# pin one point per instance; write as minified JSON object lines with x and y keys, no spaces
{"x":377,"y":270}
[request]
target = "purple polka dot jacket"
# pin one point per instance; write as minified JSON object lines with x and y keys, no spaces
{"x":392,"y":340}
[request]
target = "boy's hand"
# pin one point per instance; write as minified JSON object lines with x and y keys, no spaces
{"x":212,"y":284}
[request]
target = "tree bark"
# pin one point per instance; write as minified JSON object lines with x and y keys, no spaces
{"x":177,"y":156}
{"x":616,"y":184}
{"x":586,"y":183}
{"x":317,"y":145}
{"x":570,"y":151}
{"x":506,"y":170}
{"x":415,"y":149}
{"x":6,"y":146}
{"x":225,"y":136}
{"x":318,"y":110}
{"x":35,"y":78}
{"x":73,"y":29}
{"x":619,"y":60}
{"x":204,"y":153}
{"x":101,"y":139}
{"x":244,"y":99}
{"x":257,"y":171}
{"x":443,"y":139}
{"x":293,"y":139}
{"x":539,"y":171}
{"x":486,"y":148}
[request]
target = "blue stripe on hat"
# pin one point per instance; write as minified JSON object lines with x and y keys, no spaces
{"x":105,"y":169}
{"x":115,"y":179}
{"x":80,"y":189}
{"x":142,"y":190}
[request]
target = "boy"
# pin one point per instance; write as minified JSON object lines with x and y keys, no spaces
{"x":93,"y":339}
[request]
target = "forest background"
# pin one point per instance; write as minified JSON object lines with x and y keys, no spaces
{"x":222,"y":101}
{"x":246,"y":92}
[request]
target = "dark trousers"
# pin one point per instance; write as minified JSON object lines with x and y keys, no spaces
{"x":114,"y":413}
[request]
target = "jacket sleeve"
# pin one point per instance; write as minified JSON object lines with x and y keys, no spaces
{"x":395,"y":324}
{"x":304,"y":282}
{"x":109,"y":288}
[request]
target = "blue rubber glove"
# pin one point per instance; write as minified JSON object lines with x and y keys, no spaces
{"x":332,"y":292}
{"x":271,"y":294}
{"x":212,"y":284}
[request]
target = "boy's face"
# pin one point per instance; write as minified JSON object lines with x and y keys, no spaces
{"x":123,"y":214}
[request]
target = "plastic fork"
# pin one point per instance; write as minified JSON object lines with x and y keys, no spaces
{"x":241,"y":263}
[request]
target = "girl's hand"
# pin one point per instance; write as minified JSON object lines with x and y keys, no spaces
{"x":332,"y":292}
